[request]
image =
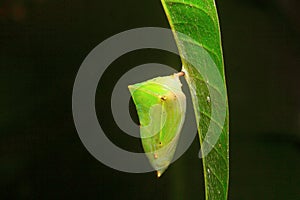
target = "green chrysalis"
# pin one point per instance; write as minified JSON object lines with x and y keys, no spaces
{"x":161,"y":107}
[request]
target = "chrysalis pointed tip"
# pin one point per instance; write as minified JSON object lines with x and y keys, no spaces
{"x":159,"y":173}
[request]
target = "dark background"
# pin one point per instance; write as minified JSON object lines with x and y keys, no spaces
{"x":43,"y":43}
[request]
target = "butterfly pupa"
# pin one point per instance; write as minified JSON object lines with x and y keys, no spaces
{"x":161,"y":107}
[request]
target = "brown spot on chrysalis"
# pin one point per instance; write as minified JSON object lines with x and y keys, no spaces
{"x":163,"y":98}
{"x":180,"y":73}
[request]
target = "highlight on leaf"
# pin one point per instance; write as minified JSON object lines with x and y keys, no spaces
{"x":161,"y":107}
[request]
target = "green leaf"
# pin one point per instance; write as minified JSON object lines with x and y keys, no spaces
{"x":196,"y":29}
